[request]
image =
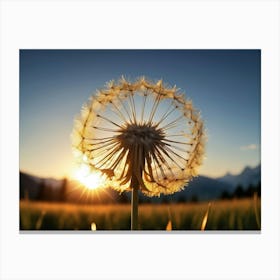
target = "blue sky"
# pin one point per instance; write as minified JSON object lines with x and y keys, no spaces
{"x":223,"y":84}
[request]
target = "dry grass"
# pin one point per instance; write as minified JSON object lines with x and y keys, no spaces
{"x":223,"y":215}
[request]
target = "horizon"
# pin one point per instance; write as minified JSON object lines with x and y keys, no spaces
{"x":204,"y":175}
{"x":224,"y":86}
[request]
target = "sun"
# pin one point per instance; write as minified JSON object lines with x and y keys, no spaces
{"x":91,"y":180}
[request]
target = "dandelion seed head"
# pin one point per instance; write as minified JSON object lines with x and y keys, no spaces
{"x":140,"y":133}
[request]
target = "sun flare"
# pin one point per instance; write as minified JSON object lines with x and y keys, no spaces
{"x":91,"y":180}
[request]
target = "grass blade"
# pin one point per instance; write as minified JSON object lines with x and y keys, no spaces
{"x":256,"y":210}
{"x":40,"y":220}
{"x":93,"y":226}
{"x":205,"y":218}
{"x":169,"y":225}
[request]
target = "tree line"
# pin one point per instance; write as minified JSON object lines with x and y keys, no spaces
{"x":242,"y":192}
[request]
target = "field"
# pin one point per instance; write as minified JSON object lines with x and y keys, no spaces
{"x":239,"y":214}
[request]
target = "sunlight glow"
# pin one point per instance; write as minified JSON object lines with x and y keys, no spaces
{"x":91,"y":180}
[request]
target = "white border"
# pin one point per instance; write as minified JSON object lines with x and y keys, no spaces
{"x":146,"y":24}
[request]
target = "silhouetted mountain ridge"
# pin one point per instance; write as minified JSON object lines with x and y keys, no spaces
{"x":249,"y":175}
{"x":201,"y":188}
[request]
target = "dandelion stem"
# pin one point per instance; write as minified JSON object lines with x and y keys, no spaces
{"x":134,"y":203}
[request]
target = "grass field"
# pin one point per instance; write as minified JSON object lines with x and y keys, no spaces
{"x":242,"y":214}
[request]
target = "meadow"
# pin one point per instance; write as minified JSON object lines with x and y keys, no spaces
{"x":236,"y":214}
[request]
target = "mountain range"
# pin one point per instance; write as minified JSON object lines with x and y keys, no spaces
{"x":201,"y":188}
{"x":245,"y":178}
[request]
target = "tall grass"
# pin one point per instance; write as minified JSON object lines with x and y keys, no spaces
{"x":224,"y":215}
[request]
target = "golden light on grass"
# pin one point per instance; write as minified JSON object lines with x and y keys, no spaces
{"x":141,"y":136}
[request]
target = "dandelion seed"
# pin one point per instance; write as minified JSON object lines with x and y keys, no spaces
{"x":151,"y":138}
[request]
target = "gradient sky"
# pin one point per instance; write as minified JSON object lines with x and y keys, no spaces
{"x":223,"y":84}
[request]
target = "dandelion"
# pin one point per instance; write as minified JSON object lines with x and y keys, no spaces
{"x":141,"y":136}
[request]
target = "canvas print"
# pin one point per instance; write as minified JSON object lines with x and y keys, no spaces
{"x":140,"y":140}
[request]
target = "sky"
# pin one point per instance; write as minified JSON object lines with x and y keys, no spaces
{"x":225,"y":85}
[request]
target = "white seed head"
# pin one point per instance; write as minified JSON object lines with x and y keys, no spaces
{"x":140,"y":133}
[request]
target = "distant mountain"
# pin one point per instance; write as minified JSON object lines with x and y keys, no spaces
{"x":29,"y":186}
{"x":34,"y":188}
{"x":248,"y":176}
{"x":201,"y":188}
